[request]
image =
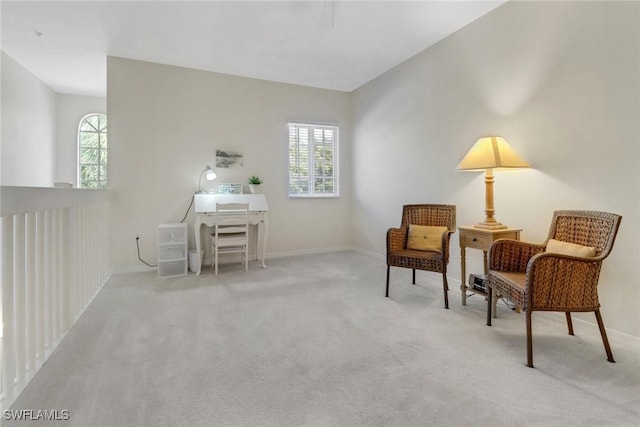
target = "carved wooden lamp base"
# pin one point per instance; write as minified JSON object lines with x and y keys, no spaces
{"x":488,"y":153}
{"x":490,"y":226}
{"x":489,"y":223}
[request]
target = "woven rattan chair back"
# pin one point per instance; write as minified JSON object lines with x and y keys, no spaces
{"x":435,"y":215}
{"x":399,"y":256}
{"x":586,"y":228}
{"x":537,"y":280}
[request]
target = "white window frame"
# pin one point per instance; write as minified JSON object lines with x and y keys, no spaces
{"x":102,"y":182}
{"x":312,"y":193}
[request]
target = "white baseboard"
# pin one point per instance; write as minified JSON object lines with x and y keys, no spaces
{"x":133,"y":269}
{"x":455,"y":283}
{"x":206,"y":261}
{"x":369,"y":253}
{"x":311,"y":251}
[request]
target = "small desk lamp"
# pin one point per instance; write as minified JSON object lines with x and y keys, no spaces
{"x":489,"y":153}
{"x":210,"y":174}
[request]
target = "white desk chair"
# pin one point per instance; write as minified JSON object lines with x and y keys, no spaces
{"x":231,"y":232}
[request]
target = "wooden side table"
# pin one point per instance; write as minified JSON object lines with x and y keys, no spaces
{"x":479,"y":238}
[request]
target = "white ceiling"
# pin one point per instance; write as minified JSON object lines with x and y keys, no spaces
{"x":327,"y":44}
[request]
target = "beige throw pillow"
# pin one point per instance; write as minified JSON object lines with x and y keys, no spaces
{"x":425,"y":237}
{"x":566,"y":248}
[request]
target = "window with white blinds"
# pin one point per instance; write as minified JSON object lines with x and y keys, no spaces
{"x":313,"y":160}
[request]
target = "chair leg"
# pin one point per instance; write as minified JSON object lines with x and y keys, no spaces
{"x":489,"y":304}
{"x":387,"y":294}
{"x":213,"y":252}
{"x":216,"y":260}
{"x":445,"y":287}
{"x":569,"y":322}
{"x":603,"y":332}
{"x":529,"y":341}
{"x":414,"y":277}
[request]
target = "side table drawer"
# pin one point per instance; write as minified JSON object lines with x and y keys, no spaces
{"x":508,"y":235}
{"x":477,"y":241}
{"x":472,"y":237}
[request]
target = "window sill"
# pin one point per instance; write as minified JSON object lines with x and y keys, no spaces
{"x":314,"y":196}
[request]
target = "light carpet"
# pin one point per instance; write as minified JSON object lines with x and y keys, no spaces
{"x":311,"y":341}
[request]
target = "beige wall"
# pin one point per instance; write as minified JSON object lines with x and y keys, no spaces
{"x":28,"y":128}
{"x":39,"y":129}
{"x":560,"y":81}
{"x":165,"y":124}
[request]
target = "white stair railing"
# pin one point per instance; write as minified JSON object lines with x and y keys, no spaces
{"x":54,"y":259}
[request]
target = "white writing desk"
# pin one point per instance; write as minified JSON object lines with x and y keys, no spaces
{"x":205,"y":208}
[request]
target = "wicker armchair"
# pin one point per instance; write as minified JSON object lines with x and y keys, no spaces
{"x":538,"y":280}
{"x":398,"y":255}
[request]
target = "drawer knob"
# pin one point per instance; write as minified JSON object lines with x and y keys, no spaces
{"x":475,"y":239}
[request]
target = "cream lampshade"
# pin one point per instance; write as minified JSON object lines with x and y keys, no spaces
{"x":489,"y":153}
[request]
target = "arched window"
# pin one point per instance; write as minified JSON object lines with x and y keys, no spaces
{"x":92,"y":151}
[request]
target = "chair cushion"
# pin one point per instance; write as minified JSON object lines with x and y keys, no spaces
{"x":516,"y":278}
{"x":510,"y":285}
{"x":572,"y":249}
{"x":425,"y":237}
{"x":419,"y":260}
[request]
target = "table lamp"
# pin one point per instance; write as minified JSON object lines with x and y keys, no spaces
{"x":210,"y":174}
{"x":489,"y":153}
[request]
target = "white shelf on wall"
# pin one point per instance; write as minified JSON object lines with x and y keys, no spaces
{"x":172,"y":250}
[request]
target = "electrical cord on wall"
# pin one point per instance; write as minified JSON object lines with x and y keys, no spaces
{"x":188,"y":209}
{"x":141,"y":260}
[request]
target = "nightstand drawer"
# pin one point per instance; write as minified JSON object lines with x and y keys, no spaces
{"x":477,"y":241}
{"x":480,"y":238}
